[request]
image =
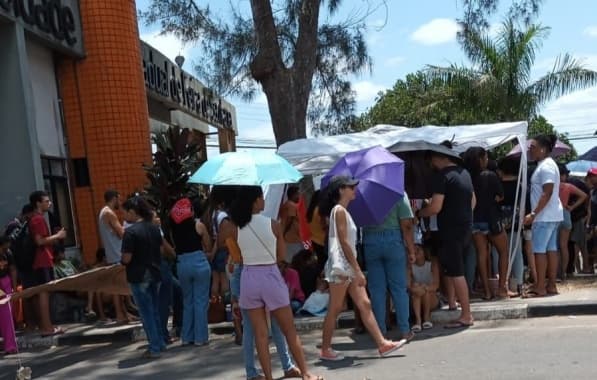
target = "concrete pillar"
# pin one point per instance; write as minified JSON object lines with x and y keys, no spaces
{"x":105,"y":108}
{"x":20,"y":165}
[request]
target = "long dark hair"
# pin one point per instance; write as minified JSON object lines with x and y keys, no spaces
{"x":472,"y":160}
{"x":546,"y":141}
{"x":328,"y":198}
{"x":312,"y":205}
{"x":140,"y":206}
{"x":241,"y":209}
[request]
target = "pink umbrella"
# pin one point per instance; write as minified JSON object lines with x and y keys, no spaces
{"x":559,"y":150}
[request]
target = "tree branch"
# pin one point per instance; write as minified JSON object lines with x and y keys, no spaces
{"x":269,"y":56}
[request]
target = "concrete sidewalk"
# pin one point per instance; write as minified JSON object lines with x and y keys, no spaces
{"x":578,"y":297}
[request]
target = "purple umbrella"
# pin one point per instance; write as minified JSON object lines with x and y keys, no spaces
{"x":591,"y":155}
{"x":559,"y":150}
{"x":381,"y":176}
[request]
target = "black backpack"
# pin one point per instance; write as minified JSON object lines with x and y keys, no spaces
{"x":23,"y":247}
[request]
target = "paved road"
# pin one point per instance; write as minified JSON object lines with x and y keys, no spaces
{"x":541,"y":348}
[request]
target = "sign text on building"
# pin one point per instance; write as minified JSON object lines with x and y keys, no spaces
{"x":172,"y":85}
{"x":56,"y":21}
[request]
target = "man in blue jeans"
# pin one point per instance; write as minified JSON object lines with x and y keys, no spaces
{"x":385,"y":249}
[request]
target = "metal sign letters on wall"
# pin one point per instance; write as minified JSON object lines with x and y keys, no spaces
{"x":166,"y":82}
{"x":58,"y":22}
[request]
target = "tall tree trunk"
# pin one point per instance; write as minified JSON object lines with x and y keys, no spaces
{"x":287,"y":89}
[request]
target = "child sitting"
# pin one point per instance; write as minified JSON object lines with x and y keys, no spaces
{"x":291,"y":277}
{"x":423,"y":285}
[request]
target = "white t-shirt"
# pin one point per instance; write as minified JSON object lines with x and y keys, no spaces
{"x":547,"y":172}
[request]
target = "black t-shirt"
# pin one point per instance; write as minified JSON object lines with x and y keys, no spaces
{"x":6,"y":261}
{"x":487,"y":186}
{"x":456,"y":215}
{"x":509,"y":187}
{"x":143,"y":240}
{"x":581,"y":211}
{"x":185,"y":236}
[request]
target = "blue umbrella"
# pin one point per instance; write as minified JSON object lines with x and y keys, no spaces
{"x":381,"y":183}
{"x":246,"y":168}
{"x":581,"y":166}
{"x":590,"y":155}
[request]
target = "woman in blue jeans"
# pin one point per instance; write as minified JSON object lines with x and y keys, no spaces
{"x":191,"y":242}
{"x":386,"y":246}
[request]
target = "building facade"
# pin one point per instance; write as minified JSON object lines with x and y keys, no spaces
{"x":80,"y":97}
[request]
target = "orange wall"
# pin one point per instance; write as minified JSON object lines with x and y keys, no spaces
{"x":105,"y":108}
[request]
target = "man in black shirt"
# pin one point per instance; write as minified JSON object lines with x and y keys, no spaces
{"x":453,"y":201}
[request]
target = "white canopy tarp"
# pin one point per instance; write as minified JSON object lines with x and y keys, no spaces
{"x":318,"y":155}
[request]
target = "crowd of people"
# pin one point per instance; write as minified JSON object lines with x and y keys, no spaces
{"x":451,"y":247}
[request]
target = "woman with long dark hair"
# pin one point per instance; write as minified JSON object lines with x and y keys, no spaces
{"x":141,"y":255}
{"x":342,"y":270}
{"x":546,"y":214}
{"x":192,"y":242}
{"x":262,"y":287}
{"x":487,"y":223}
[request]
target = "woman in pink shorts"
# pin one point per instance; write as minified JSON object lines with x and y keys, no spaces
{"x":262,"y":287}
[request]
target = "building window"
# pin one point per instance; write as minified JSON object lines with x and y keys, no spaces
{"x":56,"y":183}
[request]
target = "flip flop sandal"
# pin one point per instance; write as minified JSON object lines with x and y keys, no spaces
{"x":394,"y":347}
{"x":458,"y":325}
{"x":57,"y":331}
{"x":533,"y":294}
{"x":427,"y":325}
{"x":416,"y":328}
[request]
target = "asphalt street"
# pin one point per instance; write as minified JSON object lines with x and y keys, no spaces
{"x":539,"y":348}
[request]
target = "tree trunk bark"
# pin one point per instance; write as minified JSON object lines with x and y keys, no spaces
{"x":287,"y":89}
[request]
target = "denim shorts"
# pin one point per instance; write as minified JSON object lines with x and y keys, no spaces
{"x":567,"y":222}
{"x":218,"y":264}
{"x":545,"y":237}
{"x":235,"y":282}
{"x":481,"y":227}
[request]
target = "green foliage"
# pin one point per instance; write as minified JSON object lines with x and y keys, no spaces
{"x":539,"y":126}
{"x":500,"y":78}
{"x":174,"y":160}
{"x":497,"y":87}
{"x":420,"y":100}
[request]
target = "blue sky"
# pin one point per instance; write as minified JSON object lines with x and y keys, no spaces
{"x":410,"y":34}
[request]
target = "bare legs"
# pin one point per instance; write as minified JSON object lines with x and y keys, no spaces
{"x":564,"y":238}
{"x":547,"y":266}
{"x":286,"y":322}
{"x":422,"y":301}
{"x":500,"y":242}
{"x":219,"y":284}
{"x":482,"y":247}
{"x":45,"y":323}
{"x":361,"y":301}
{"x":461,"y":288}
{"x":528,"y":249}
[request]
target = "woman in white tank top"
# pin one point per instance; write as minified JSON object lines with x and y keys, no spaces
{"x":262,"y":287}
{"x":342,"y":270}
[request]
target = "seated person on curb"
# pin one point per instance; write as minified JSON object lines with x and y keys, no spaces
{"x":291,"y":278}
{"x":65,"y":304}
{"x":423,"y":282}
